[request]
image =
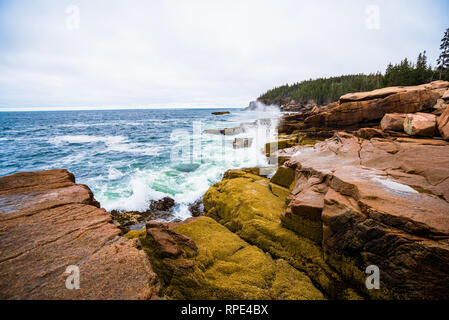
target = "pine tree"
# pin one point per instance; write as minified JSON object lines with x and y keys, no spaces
{"x":423,"y":72}
{"x":443,"y":60}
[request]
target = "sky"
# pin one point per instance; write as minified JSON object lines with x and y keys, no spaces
{"x":90,"y":54}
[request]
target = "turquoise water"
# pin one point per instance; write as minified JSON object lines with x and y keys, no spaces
{"x":130,"y":157}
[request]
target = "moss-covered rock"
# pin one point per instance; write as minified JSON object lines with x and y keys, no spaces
{"x":246,"y":205}
{"x":284,"y":177}
{"x":284,"y":141}
{"x":223,"y":267}
{"x":298,"y":138}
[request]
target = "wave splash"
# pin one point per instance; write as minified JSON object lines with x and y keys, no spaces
{"x":186,"y":178}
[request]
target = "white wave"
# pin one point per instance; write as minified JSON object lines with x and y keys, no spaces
{"x":113,"y":144}
{"x":147,"y":149}
{"x":217,"y":156}
{"x":86,"y":139}
{"x":100,"y":124}
{"x":114,"y":174}
{"x":139,"y":193}
{"x":73,"y":158}
{"x":257,"y":106}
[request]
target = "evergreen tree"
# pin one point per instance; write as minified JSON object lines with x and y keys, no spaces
{"x":326,"y":90}
{"x":443,"y":59}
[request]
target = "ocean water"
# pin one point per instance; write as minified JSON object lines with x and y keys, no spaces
{"x":130,"y":157}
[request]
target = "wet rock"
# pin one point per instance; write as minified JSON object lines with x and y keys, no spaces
{"x":233,"y":131}
{"x":393,"y":122}
{"x":197,"y":208}
{"x":212,"y":131}
{"x":420,"y":124}
{"x":220,"y":113}
{"x":227,"y":131}
{"x":165,"y":204}
{"x":49,"y":223}
{"x":158,"y":210}
{"x":240,"y":143}
{"x":264,"y":122}
{"x":284,"y":141}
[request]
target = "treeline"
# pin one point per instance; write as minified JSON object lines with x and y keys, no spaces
{"x":325,"y":90}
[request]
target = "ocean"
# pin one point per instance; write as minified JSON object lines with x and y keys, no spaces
{"x":130,"y":157}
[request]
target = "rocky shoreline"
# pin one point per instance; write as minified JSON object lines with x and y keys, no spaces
{"x":48,"y":223}
{"x":361,"y":182}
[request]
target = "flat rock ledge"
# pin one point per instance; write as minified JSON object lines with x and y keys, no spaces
{"x":382,"y":202}
{"x":48,"y":223}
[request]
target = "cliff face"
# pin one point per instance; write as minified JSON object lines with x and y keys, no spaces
{"x":369,"y":107}
{"x":48,"y":223}
{"x":382,"y":202}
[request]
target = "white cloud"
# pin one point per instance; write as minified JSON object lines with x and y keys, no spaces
{"x":209,"y":53}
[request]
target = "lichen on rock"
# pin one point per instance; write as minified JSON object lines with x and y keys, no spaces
{"x":220,"y":266}
{"x":245,"y":204}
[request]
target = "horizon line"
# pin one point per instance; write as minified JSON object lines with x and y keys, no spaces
{"x":108,"y":108}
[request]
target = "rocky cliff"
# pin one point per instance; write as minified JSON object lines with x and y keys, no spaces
{"x":48,"y":223}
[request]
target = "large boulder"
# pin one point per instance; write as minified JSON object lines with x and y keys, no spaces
{"x":443,"y":124}
{"x":360,"y":109}
{"x":369,"y":133}
{"x":439,"y":107}
{"x":382,"y":202}
{"x":240,"y":143}
{"x":233,"y":131}
{"x":446,"y":95}
{"x":227,"y":131}
{"x":420,"y":124}
{"x":49,"y":223}
{"x":393,"y":122}
{"x":385,"y":92}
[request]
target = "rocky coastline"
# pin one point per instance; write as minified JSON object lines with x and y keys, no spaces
{"x":360,"y":182}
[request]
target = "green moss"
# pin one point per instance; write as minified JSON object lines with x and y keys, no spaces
{"x":284,"y":141}
{"x":247,"y":207}
{"x":310,"y":141}
{"x":279,"y":191}
{"x":225,"y":267}
{"x":284,"y":177}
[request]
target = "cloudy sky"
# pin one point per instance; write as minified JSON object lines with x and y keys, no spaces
{"x":106,"y":53}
